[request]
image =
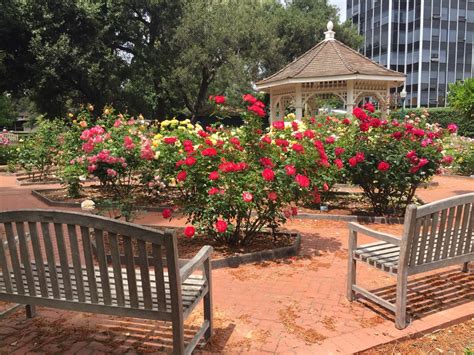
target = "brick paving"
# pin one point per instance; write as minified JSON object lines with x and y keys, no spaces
{"x":294,"y":306}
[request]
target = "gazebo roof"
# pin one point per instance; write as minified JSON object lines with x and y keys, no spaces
{"x":330,"y":60}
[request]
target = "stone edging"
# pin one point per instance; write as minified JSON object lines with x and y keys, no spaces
{"x":38,"y":194}
{"x":20,"y":182}
{"x":317,"y":217}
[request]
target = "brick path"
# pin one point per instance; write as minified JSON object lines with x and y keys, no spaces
{"x":296,"y":306}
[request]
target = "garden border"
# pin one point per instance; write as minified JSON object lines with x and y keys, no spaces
{"x":38,"y":194}
{"x":302,"y":215}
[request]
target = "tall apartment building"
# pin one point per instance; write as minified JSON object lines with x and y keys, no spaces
{"x":431,"y":41}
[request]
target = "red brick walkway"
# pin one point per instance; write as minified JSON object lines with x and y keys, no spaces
{"x":294,"y":306}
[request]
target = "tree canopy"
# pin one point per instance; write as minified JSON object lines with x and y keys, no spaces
{"x":156,"y":57}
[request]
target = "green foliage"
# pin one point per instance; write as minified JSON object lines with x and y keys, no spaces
{"x":443,"y":116}
{"x":7,"y":112}
{"x":39,"y":153}
{"x":461,"y":97}
{"x":389,"y":160}
{"x":159,"y":58}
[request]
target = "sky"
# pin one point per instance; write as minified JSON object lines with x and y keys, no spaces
{"x":342,"y":6}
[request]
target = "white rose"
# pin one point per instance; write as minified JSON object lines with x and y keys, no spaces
{"x":87,"y":205}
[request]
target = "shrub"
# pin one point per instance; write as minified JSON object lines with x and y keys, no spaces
{"x":117,"y":151}
{"x":462,"y":150}
{"x":39,"y":153}
{"x":390,"y":159}
{"x":7,"y":151}
{"x":442,"y":116}
{"x":233,"y":183}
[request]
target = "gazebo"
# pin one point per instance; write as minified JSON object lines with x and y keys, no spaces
{"x":329,"y":68}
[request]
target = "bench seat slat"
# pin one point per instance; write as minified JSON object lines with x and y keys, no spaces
{"x":192,"y":288}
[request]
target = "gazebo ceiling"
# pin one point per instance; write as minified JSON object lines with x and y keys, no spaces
{"x":330,"y":60}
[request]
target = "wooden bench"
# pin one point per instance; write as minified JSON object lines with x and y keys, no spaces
{"x":435,"y":235}
{"x":48,"y":260}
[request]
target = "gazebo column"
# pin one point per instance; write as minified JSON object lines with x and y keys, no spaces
{"x":298,"y":102}
{"x":350,"y":97}
{"x":272,"y":108}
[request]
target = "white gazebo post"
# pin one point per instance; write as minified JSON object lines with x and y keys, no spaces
{"x":350,"y":96}
{"x":298,"y":102}
{"x":272,"y":108}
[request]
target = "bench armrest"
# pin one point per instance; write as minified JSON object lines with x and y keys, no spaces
{"x":187,"y":269}
{"x":389,"y":238}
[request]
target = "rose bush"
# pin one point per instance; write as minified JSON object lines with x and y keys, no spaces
{"x":234,"y":182}
{"x":116,"y":149}
{"x":390,"y":159}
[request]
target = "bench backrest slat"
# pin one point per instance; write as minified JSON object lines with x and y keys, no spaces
{"x":131,"y":276}
{"x":159,"y":275}
{"x":103,"y":269}
{"x":89,"y":259}
{"x":145,"y":274}
{"x":5,"y":269}
{"x":76,"y":262}
{"x":14,"y":258}
{"x":63,"y":261}
{"x":48,"y":246}
{"x":39,"y":260}
{"x":116,"y":265}
{"x":25,"y":257}
{"x":441,"y":231}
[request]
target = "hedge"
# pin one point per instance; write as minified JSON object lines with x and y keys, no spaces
{"x":443,"y":116}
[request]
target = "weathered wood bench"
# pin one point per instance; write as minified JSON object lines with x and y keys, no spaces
{"x":435,"y":235}
{"x":51,"y":263}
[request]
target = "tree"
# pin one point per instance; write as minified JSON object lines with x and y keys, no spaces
{"x":461,"y":97}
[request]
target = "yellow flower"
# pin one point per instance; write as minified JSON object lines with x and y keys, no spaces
{"x":190,"y":126}
{"x":158,"y":136}
{"x":107,"y":111}
{"x":90,"y":107}
{"x":165,"y":123}
{"x":70,"y":115}
{"x":174,"y":122}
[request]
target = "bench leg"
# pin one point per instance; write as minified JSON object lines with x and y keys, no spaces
{"x":352,"y":265}
{"x":465,"y":267}
{"x":178,"y":337}
{"x":208,"y":301}
{"x":401,"y":302}
{"x":30,"y":311}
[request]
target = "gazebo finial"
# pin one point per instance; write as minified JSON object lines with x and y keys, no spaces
{"x":329,"y":33}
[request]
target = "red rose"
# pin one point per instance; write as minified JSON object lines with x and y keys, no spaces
{"x":214,"y":175}
{"x":170,"y":140}
{"x":203,"y":134}
{"x":250,"y":99}
{"x":290,"y":170}
{"x":267,"y":139}
{"x":325,"y":187}
{"x":397,"y":135}
{"x":247,"y":196}
{"x":452,"y":128}
{"x":189,"y":231}
{"x":219,"y":100}
{"x":364,"y":126}
{"x":297,"y":148}
{"x":294,"y":211}
{"x":339,"y":151}
{"x":209,"y":152}
{"x":182,"y":175}
{"x":213,"y":191}
{"x":166,"y":213}
{"x":353,"y":161}
{"x":383,"y":166}
{"x":447,"y":160}
{"x":302,"y":180}
{"x":369,"y":107}
{"x":309,"y":134}
{"x":339,"y":163}
{"x":359,"y":113}
{"x":268,"y":174}
{"x":221,"y":226}
{"x":330,"y":140}
{"x":346,"y":121}
{"x":189,"y":161}
{"x":418,"y":132}
{"x":294,"y":125}
{"x":272,"y":196}
{"x":375,"y":122}
{"x":278,"y":125}
{"x":360,"y":157}
{"x":257,"y":109}
{"x":266,"y":162}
